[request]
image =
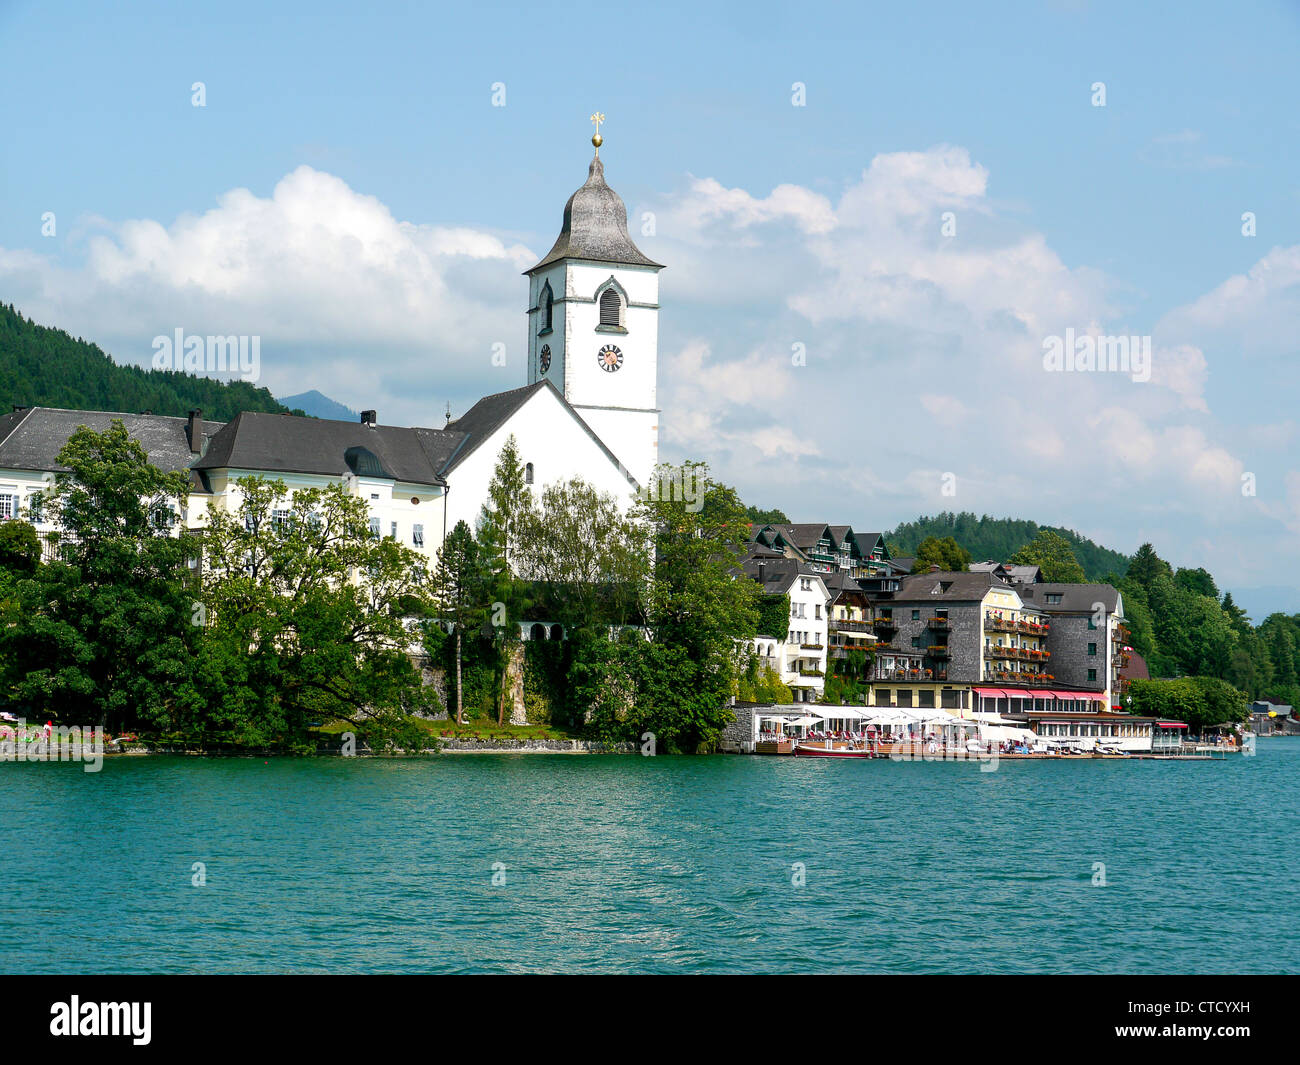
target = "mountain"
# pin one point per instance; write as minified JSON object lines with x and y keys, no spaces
{"x":999,"y":538}
{"x":316,"y":405}
{"x":47,"y":367}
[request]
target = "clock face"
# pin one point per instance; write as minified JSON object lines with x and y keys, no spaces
{"x":545,"y":358}
{"x":609,"y":358}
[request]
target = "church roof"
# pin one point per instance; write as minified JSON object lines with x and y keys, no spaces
{"x":282,"y":443}
{"x":31,"y":438}
{"x":595,"y":227}
{"x":477,"y":424}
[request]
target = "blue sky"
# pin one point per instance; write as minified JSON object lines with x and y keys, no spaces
{"x":1124,"y":218}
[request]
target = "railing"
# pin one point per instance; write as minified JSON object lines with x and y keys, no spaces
{"x":937,"y":623}
{"x":884,"y":623}
{"x":848,"y":625}
{"x":938,"y":650}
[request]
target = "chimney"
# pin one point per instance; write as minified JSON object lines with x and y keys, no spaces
{"x":194,"y":431}
{"x":368,"y":418}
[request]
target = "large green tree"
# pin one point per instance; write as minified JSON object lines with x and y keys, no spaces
{"x":943,"y":552}
{"x":312,"y":616}
{"x":504,"y":514}
{"x":1052,"y":554}
{"x":460,"y":587}
{"x":696,"y":606}
{"x":104,"y":630}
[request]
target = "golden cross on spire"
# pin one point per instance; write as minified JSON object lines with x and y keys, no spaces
{"x":597,"y":140}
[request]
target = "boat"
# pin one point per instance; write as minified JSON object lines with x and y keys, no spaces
{"x":808,"y":747}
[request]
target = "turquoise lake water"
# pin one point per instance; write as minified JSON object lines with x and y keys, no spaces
{"x":629,"y":864}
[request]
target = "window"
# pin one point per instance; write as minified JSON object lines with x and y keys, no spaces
{"x":528,"y":473}
{"x":393,"y":533}
{"x":546,"y":309}
{"x":916,"y":641}
{"x":279,"y":519}
{"x":36,"y":508}
{"x":1053,"y":597}
{"x":1092,"y":622}
{"x":417,"y":535}
{"x":374,"y":527}
{"x":1092,"y":648}
{"x":916,"y":615}
{"x":904,"y":696}
{"x":8,"y":505}
{"x":817,"y":611}
{"x":925,"y":698}
{"x":611,"y":308}
{"x":1092,"y":674}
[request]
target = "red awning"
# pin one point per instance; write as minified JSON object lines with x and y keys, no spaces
{"x":989,"y":693}
{"x":1092,"y":696}
{"x":1171,"y":724}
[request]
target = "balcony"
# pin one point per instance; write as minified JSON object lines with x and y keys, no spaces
{"x":938,"y":623}
{"x":885,"y":625}
{"x":938,"y":650}
{"x":845,"y":625}
{"x":997,"y":624}
{"x":812,"y":647}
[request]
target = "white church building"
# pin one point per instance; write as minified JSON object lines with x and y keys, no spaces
{"x":587,"y":410}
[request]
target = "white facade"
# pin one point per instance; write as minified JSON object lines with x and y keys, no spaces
{"x":553,"y":447}
{"x":803,"y":661}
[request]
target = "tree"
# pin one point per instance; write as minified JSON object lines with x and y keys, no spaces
{"x":314,"y":614}
{"x":759,"y":518}
{"x":1052,"y":554}
{"x":20,"y":548}
{"x":105,"y":628}
{"x":505,"y":513}
{"x":459,"y":591}
{"x":1197,"y":581}
{"x":1146,"y":566}
{"x":587,"y":559}
{"x":945,"y":553}
{"x":697,"y":609}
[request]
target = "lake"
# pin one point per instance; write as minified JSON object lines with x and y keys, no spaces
{"x":664,"y":865}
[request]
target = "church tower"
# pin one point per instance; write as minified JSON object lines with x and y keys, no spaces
{"x":593,"y":322}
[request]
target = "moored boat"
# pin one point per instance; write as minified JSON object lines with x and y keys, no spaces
{"x":809,"y":747}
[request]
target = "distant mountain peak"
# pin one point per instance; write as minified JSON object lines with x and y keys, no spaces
{"x":318,"y":405}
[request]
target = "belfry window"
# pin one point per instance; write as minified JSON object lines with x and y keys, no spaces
{"x":546,"y":309}
{"x":528,"y":473}
{"x":611,"y":308}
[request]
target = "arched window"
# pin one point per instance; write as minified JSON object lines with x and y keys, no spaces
{"x":528,"y":473}
{"x":546,"y":307}
{"x":611,"y":307}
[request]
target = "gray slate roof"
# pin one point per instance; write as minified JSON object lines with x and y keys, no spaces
{"x":1075,"y":598}
{"x":595,"y":226}
{"x":281,"y":443}
{"x":954,"y":587}
{"x":31,"y":439}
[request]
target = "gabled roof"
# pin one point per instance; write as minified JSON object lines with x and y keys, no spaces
{"x":477,"y":424}
{"x":31,"y":439}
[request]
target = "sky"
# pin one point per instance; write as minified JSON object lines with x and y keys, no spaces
{"x":875,"y":219}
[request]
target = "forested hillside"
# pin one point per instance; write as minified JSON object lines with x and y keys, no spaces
{"x":47,"y":367}
{"x":1000,"y":538}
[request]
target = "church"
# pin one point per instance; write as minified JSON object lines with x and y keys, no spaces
{"x":588,"y":408}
